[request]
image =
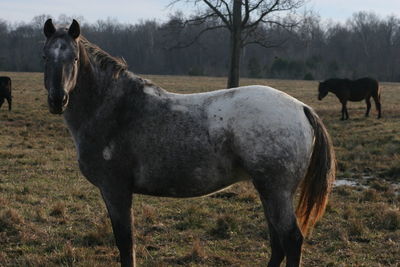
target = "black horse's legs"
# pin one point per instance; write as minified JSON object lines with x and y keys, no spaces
{"x":1,"y":101}
{"x":9,"y":103}
{"x":368,"y":102}
{"x":377,"y":100}
{"x":119,"y":205}
{"x":286,"y":237}
{"x":345,"y":114}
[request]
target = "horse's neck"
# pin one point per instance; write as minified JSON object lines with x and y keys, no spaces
{"x":95,"y":94}
{"x":85,"y":98}
{"x":334,"y":85}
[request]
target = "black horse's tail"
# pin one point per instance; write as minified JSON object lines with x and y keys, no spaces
{"x":318,"y":181}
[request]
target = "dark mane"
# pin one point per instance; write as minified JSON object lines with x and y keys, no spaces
{"x":104,"y":60}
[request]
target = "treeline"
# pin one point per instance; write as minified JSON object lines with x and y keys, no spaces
{"x":366,"y":45}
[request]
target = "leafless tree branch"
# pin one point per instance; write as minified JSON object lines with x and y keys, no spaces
{"x":246,"y":12}
{"x":196,"y":38}
{"x":273,"y":8}
{"x":256,"y":6}
{"x":267,"y":44}
{"x":228,"y":10}
{"x":218,"y":12}
{"x":287,"y":26}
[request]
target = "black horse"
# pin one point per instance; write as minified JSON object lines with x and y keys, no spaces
{"x":5,"y":91}
{"x":348,"y":90}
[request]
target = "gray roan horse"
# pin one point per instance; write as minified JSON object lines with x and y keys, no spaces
{"x":134,"y":137}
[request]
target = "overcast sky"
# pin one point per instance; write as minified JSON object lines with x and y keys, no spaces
{"x":132,"y":11}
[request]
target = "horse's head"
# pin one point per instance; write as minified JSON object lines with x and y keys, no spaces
{"x":61,"y":56}
{"x":322,"y":90}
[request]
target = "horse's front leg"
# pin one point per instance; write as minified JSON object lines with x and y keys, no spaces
{"x":343,"y":111}
{"x":119,"y":202}
{"x":368,"y":102}
{"x":345,"y":114}
{"x":9,"y":100}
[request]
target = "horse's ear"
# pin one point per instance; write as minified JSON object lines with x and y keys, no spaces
{"x":49,"y":28}
{"x":74,"y":30}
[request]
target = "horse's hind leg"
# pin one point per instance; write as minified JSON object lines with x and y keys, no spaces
{"x":377,"y":99}
{"x":345,"y":114}
{"x":119,"y":209}
{"x":9,"y":100}
{"x":277,"y":251}
{"x":368,"y":102}
{"x":286,"y":237}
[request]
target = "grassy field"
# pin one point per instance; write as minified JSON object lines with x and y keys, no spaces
{"x":51,"y":216}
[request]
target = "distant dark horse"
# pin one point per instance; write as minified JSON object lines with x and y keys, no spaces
{"x":5,"y":91}
{"x":134,"y":137}
{"x":348,"y":90}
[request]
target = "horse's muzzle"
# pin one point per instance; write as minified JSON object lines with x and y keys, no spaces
{"x":57,"y":105}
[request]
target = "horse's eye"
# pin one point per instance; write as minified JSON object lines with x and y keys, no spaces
{"x":76,"y":59}
{"x":44,"y":57}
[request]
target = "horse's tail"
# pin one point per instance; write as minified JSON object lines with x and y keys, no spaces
{"x":318,"y":181}
{"x":379,"y":92}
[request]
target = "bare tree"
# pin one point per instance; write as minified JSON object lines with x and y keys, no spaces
{"x":244,"y":20}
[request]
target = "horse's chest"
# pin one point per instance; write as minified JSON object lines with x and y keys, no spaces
{"x":91,"y":163}
{"x":100,"y":160}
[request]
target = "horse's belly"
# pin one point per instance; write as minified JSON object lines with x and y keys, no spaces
{"x":199,"y":182}
{"x":180,"y":190}
{"x":356,"y":98}
{"x":359,"y":94}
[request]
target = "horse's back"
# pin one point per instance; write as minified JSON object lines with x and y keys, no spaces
{"x":5,"y":81}
{"x":363,"y":88}
{"x":5,"y":86}
{"x":268,"y":126}
{"x":368,"y":82}
{"x":255,"y":106}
